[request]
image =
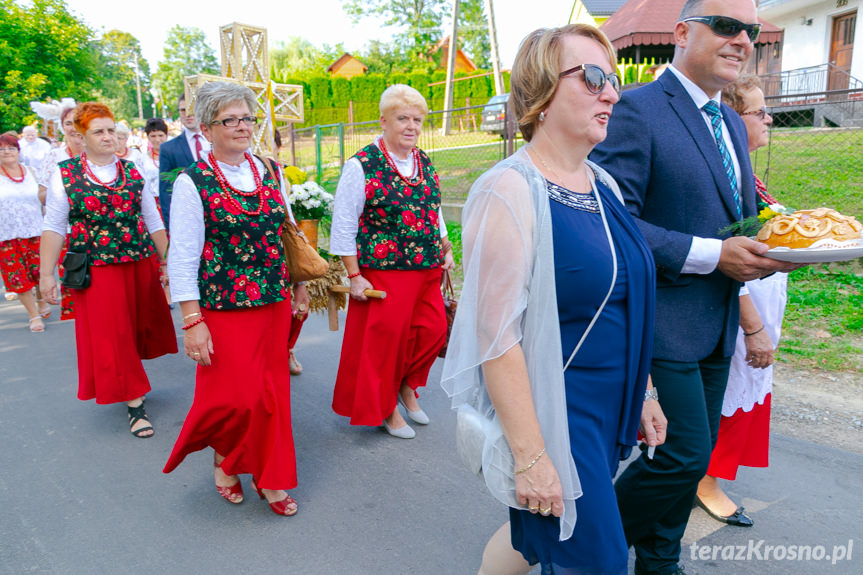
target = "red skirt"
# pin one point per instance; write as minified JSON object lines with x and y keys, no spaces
{"x":19,"y":264}
{"x":388,"y":343}
{"x":67,"y":310}
{"x":122,"y":318}
{"x":744,"y":439}
{"x":242,"y":405}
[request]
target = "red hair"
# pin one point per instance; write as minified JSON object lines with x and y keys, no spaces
{"x":9,"y":139}
{"x":89,"y":111}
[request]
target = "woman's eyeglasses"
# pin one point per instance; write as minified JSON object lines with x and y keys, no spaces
{"x":760,"y":114}
{"x":8,"y":150}
{"x":234,"y":122}
{"x":594,"y":78}
{"x":727,"y":27}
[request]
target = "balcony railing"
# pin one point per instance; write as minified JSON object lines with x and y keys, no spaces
{"x":814,"y":79}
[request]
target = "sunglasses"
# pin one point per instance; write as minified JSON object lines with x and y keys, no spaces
{"x":594,"y":78}
{"x":760,"y":114}
{"x":727,"y":27}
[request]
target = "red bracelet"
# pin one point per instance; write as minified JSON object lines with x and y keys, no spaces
{"x":194,"y":323}
{"x":352,"y":276}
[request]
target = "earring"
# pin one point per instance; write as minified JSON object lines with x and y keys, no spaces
{"x":542,"y":116}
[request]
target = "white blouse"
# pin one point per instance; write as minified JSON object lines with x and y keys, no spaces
{"x":187,"y":225}
{"x":57,"y":201}
{"x":350,"y":201}
{"x":54,"y":157}
{"x":20,"y":208}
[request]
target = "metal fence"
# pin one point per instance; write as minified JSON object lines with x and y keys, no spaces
{"x":815,"y":152}
{"x":474,"y":143}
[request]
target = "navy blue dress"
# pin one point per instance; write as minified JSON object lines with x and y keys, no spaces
{"x":604,"y":387}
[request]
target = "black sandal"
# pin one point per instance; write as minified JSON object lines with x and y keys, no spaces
{"x":136,"y":414}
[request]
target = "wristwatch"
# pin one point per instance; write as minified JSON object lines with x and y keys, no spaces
{"x":651,"y":394}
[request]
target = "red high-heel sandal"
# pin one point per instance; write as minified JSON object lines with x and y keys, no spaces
{"x":278,"y":507}
{"x":232,"y":494}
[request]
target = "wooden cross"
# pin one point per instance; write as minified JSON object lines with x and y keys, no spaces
{"x":246,"y":61}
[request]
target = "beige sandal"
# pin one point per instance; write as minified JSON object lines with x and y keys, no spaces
{"x":37,"y":328}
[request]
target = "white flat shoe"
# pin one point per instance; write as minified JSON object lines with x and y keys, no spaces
{"x":418,"y":416}
{"x":405,"y":432}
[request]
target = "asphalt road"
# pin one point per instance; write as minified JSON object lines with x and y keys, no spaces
{"x":80,"y":495}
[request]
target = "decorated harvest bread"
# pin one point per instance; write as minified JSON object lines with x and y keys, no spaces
{"x":805,"y":227}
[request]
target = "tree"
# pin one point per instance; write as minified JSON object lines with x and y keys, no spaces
{"x":299,"y":58}
{"x":186,"y":53}
{"x":120,"y":53}
{"x":473,"y":32}
{"x":419,"y":19}
{"x":45,"y":53}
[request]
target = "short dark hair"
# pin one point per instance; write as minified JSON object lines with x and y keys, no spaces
{"x":691,"y":8}
{"x":155,"y":125}
{"x":277,"y":138}
{"x":181,"y":99}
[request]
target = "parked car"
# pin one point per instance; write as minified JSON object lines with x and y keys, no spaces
{"x":494,"y":115}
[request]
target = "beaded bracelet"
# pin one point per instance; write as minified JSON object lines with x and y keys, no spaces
{"x":531,"y":464}
{"x":352,"y":276}
{"x":194,"y":323}
{"x":760,"y":329}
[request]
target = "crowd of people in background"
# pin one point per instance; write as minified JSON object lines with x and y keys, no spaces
{"x":660,"y":325}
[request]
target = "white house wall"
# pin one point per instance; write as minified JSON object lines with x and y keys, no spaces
{"x":809,"y":44}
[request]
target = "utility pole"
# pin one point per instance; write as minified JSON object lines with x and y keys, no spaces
{"x":138,"y":86}
{"x":450,"y":69}
{"x":495,"y":56}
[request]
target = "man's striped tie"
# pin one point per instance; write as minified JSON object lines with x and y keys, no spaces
{"x":712,"y":109}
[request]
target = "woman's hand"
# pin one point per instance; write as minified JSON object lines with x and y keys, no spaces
{"x":653,"y":423}
{"x":163,"y":274}
{"x":539,"y":488}
{"x":300,"y":301}
{"x":198,"y":344}
{"x":48,"y":289}
{"x":359,"y":284}
{"x":448,"y":262}
{"x":759,"y":350}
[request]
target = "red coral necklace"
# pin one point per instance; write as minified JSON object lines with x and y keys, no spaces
{"x":14,"y":179}
{"x":416,"y":156}
{"x":121,"y":174}
{"x":228,"y":190}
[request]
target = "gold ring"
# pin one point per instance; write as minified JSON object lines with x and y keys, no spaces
{"x":195,"y":353}
{"x":545,"y":511}
{"x":301,"y":307}
{"x":533,"y":509}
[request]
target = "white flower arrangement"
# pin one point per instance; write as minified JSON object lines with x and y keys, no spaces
{"x":309,"y":201}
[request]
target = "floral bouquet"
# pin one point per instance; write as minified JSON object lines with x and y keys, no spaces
{"x":309,"y":201}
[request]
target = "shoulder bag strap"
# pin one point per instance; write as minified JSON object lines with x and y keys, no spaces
{"x":613,"y":278}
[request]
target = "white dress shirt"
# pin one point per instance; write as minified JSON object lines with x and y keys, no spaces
{"x":57,"y":201}
{"x":190,"y":140}
{"x":351,"y":200}
{"x":188,"y":228}
{"x":704,"y":253}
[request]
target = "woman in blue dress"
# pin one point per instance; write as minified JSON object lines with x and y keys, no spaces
{"x":553,"y":337}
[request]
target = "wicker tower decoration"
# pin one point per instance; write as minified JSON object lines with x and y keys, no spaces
{"x":245,"y":60}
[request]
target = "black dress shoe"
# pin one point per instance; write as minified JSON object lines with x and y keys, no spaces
{"x":739,"y":518}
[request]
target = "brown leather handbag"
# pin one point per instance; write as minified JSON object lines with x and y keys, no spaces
{"x":304,"y":263}
{"x":450,"y":305}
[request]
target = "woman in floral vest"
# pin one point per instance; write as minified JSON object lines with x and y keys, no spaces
{"x":228,"y":273}
{"x":122,"y":317}
{"x":389,"y":232}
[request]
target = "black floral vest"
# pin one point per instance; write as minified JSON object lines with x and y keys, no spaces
{"x":243,"y":262}
{"x":398,"y":229}
{"x":108,"y":224}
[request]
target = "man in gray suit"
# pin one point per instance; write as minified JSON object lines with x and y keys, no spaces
{"x":682,"y":162}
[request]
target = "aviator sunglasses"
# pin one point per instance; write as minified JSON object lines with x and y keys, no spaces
{"x":594,"y":78}
{"x":727,"y":27}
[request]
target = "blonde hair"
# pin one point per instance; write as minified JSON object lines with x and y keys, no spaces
{"x":734,"y":93}
{"x":402,"y":96}
{"x":535,"y":71}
